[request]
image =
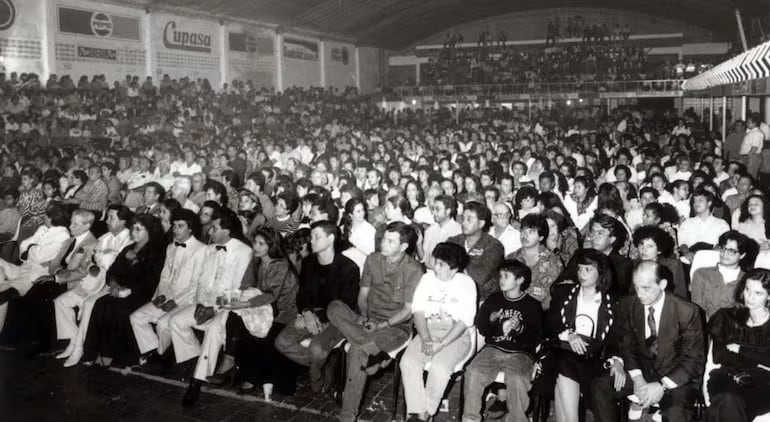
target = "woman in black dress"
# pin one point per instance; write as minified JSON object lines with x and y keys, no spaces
{"x":740,"y":386}
{"x":132,"y":280}
{"x":256,"y":359}
{"x":581,"y":327}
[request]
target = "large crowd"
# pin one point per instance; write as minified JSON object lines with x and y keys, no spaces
{"x":609,"y":255}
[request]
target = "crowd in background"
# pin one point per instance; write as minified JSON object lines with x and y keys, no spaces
{"x":555,"y":248}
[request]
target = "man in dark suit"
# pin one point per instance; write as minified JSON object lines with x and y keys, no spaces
{"x":662,"y":352}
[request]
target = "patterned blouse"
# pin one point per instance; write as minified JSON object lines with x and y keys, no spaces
{"x":32,"y":206}
{"x":544,"y":272}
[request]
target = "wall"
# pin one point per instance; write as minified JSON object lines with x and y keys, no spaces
{"x":21,"y":35}
{"x":301,"y":62}
{"x":91,"y":38}
{"x":370,"y":69}
{"x":339,"y":64}
{"x":250,"y":55}
{"x":185,"y":46}
{"x":531,"y":25}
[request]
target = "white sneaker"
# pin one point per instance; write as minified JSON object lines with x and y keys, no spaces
{"x":67,"y":352}
{"x":74,"y":358}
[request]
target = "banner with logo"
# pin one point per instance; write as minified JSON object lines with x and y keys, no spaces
{"x":251,"y":54}
{"x":21,"y":44}
{"x":339,"y":64}
{"x":186,"y":47}
{"x":300,"y":49}
{"x":184,"y":35}
{"x":94,"y":23}
{"x":89,"y":35}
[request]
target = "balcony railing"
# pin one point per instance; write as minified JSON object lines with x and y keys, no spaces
{"x":653,"y":86}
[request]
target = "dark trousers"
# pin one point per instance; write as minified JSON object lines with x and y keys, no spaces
{"x":314,"y":356}
{"x":259,"y":362}
{"x":31,"y":317}
{"x":677,"y":405}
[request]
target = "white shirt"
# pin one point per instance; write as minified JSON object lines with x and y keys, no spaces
{"x":453,"y":300}
{"x":184,"y":169}
{"x":223,"y":271}
{"x":44,"y":245}
{"x":109,"y":246}
{"x":580,"y":220}
{"x":182,"y":263}
{"x":697,"y":229}
{"x":362,"y":237}
{"x":754,"y":138}
{"x":510,"y":238}
{"x":355,"y":255}
{"x":436,"y":234}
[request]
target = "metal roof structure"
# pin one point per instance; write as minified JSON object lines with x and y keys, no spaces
{"x":396,"y":24}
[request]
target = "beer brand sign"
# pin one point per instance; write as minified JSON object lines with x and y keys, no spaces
{"x":178,"y":39}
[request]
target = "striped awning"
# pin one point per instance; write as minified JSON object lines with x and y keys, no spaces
{"x":752,"y":64}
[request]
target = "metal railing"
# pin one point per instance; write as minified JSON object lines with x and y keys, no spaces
{"x":661,"y":86}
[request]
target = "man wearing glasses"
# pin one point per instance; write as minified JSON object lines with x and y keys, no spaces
{"x":712,"y":288}
{"x":502,"y":229}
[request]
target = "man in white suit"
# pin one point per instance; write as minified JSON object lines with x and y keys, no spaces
{"x":176,"y":290}
{"x":86,"y":283}
{"x":218,"y":279}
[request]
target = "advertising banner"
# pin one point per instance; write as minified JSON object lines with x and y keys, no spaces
{"x":21,"y":44}
{"x":100,"y":24}
{"x":251,"y":54}
{"x":299,"y":49}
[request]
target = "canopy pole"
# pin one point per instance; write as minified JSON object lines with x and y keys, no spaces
{"x":741,"y":32}
{"x":724,"y":119}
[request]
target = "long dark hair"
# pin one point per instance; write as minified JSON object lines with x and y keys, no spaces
{"x":347,"y":218}
{"x":759,"y":274}
{"x":156,"y":237}
{"x":744,"y":215}
{"x":275,"y":247}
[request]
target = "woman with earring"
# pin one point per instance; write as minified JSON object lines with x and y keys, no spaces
{"x":739,"y":386}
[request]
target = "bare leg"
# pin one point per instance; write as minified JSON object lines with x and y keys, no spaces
{"x":568,"y":396}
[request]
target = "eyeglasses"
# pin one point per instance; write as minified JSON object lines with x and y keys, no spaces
{"x":730,"y":251}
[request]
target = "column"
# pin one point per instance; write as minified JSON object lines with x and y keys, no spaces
{"x":417,"y":72}
{"x":767,"y":109}
{"x":357,"y":55}
{"x":322,"y":61}
{"x":278,"y":47}
{"x":724,"y":119}
{"x":150,"y":60}
{"x":744,"y":105}
{"x":711,"y":114}
{"x":48,"y":39}
{"x":223,"y":62}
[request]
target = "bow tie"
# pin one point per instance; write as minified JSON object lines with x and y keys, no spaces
{"x":180,"y":244}
{"x":221,"y":248}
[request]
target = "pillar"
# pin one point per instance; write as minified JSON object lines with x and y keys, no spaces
{"x":417,"y":73}
{"x":357,"y":58}
{"x":223,"y":63}
{"x":767,"y":109}
{"x":149,"y":55}
{"x":322,"y":61}
{"x":278,"y":47}
{"x":48,"y":39}
{"x":711,"y":114}
{"x":744,"y":105}
{"x":724,"y":119}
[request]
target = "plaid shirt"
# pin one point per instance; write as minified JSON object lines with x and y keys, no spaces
{"x":93,"y":195}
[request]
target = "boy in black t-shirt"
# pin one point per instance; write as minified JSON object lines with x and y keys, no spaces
{"x":511,"y":321}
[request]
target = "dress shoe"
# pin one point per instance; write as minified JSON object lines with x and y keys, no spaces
{"x":227,"y":377}
{"x":67,"y":352}
{"x":192,"y":394}
{"x":74,"y":358}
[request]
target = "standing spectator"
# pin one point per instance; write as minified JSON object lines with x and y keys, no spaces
{"x":751,"y":147}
